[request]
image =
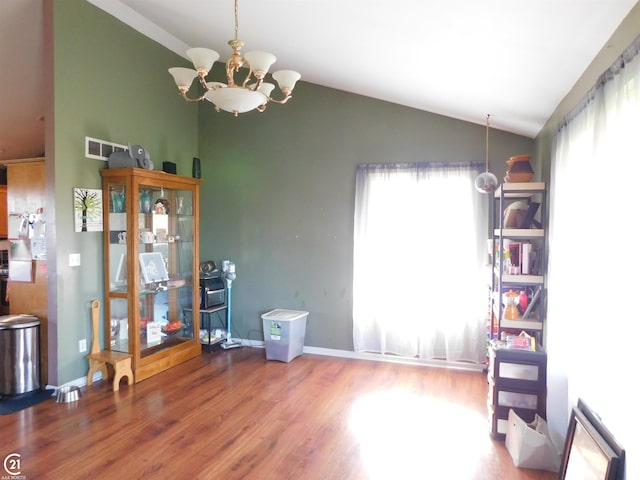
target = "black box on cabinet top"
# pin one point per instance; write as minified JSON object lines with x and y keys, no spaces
{"x":169,"y":167}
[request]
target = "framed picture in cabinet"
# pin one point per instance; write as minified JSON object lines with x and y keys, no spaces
{"x":153,"y":267}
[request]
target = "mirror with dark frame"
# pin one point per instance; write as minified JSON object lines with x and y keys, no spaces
{"x":590,"y":452}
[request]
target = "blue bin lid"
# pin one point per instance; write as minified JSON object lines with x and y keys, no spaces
{"x":18,"y":321}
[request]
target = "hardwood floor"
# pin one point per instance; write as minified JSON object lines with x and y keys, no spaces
{"x":232,"y":414}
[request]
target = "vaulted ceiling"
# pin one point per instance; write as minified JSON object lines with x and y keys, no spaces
{"x":515,"y":60}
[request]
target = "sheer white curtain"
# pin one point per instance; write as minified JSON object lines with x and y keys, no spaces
{"x":420,"y":285}
{"x":593,"y":266}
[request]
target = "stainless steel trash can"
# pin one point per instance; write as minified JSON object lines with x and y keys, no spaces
{"x":19,"y":354}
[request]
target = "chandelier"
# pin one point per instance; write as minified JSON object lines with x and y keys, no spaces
{"x":235,"y":97}
{"x":486,"y":182}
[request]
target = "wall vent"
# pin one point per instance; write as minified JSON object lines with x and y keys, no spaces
{"x":101,"y":149}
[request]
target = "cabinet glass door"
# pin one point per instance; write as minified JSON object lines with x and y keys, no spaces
{"x":165,"y":257}
{"x":118,"y":268}
{"x":117,"y":238}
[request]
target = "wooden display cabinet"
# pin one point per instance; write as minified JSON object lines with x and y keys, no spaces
{"x":151,"y":275}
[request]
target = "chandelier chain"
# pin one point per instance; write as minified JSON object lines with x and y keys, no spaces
{"x":235,"y":11}
{"x":486,"y":154}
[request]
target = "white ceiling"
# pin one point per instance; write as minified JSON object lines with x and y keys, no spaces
{"x":513,"y":59}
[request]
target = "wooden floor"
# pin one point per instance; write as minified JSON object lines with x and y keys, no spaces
{"x":232,"y":414}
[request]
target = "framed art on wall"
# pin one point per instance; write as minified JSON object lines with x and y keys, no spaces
{"x":87,"y":209}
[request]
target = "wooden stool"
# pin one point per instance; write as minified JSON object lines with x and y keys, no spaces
{"x":99,"y":360}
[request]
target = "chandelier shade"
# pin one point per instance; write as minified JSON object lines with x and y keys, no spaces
{"x":286,"y":79}
{"x":235,"y":97}
{"x":203,"y":58}
{"x":183,"y":77}
{"x":260,"y":62}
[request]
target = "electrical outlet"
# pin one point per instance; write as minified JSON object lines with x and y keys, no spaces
{"x":82,"y":345}
{"x":74,"y":259}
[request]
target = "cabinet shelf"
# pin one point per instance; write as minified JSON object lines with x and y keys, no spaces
{"x":519,"y":189}
{"x":206,"y":324}
{"x":523,"y":233}
{"x":521,"y":324}
{"x":149,"y":290}
{"x":519,"y":279}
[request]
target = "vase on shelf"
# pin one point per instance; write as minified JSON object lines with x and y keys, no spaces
{"x":519,"y":169}
{"x":195,"y":168}
{"x":117,"y":201}
{"x":145,"y":202}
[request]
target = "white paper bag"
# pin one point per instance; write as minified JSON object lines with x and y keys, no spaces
{"x":530,"y":445}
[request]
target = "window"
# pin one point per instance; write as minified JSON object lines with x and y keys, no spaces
{"x":419,"y":256}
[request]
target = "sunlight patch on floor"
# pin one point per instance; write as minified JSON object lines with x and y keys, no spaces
{"x":402,"y":434}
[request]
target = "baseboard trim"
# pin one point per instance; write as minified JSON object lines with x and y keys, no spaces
{"x":376,"y":357}
{"x":78,"y":382}
{"x":379,"y":357}
{"x":331,"y":352}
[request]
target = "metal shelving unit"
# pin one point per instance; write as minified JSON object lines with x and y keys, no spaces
{"x":501,"y":280}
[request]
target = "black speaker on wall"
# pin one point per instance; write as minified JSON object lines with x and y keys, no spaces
{"x":169,"y":167}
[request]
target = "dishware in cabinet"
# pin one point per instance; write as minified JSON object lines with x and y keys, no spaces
{"x":151,"y":267}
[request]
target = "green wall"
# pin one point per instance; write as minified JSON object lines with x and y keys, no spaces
{"x":278,"y":197}
{"x":111,"y":83}
{"x":278,"y":186}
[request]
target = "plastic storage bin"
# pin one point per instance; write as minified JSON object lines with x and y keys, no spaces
{"x":20,"y":354}
{"x":284,"y":333}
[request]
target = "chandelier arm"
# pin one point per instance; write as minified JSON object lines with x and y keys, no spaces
{"x":231,"y":68}
{"x":283,"y":100}
{"x":203,"y":82}
{"x":184,"y":95}
{"x":248,"y":77}
{"x":257,"y":85}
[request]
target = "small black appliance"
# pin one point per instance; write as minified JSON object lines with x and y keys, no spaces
{"x":212,"y":290}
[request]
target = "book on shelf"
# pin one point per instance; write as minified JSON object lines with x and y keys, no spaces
{"x":526,"y":258}
{"x":521,"y":258}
